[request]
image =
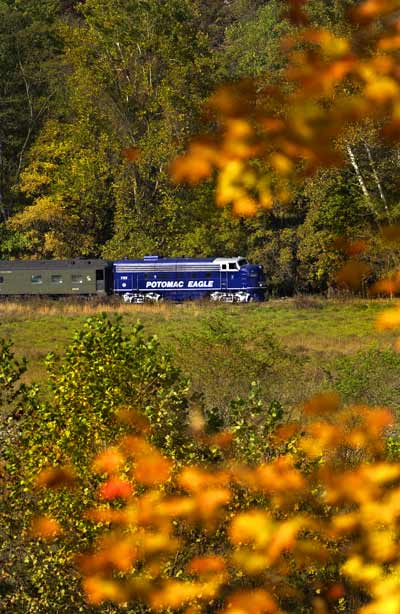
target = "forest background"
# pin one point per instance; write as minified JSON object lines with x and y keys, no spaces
{"x":82,"y":83}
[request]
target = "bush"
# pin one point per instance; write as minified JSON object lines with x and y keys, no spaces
{"x":370,"y":377}
{"x":102,"y":374}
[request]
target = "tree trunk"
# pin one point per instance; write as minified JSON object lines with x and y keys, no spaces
{"x":377,"y":180}
{"x":361,"y":181}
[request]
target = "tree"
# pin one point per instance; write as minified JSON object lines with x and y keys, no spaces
{"x":29,"y":48}
{"x":136,"y":76}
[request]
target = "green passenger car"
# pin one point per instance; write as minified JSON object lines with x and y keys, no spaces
{"x":77,"y":277}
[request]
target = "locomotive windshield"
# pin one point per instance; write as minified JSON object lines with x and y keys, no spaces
{"x":242,"y":262}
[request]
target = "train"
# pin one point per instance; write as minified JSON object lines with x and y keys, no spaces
{"x":150,"y":279}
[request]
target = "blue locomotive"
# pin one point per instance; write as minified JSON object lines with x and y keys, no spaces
{"x":220,"y":279}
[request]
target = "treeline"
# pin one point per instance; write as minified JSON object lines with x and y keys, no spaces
{"x":84,"y":84}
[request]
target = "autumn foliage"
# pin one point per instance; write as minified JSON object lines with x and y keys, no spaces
{"x":315,"y":526}
{"x":272,"y":136}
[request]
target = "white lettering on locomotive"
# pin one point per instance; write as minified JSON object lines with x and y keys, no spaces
{"x":201,"y":284}
{"x":164,"y":284}
{"x":179,"y":284}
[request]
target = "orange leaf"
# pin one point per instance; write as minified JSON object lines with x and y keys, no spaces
{"x":45,"y":527}
{"x":208,"y":501}
{"x":191,"y":169}
{"x":284,"y":537}
{"x":279,"y":476}
{"x":206,"y":564}
{"x":194,"y":479}
{"x":98,"y":590}
{"x":389,"y":43}
{"x":152,"y":469}
{"x":177,"y":506}
{"x":371,"y":9}
{"x":115,"y":552}
{"x":115,"y":488}
{"x":108,"y":461}
{"x":256,"y":601}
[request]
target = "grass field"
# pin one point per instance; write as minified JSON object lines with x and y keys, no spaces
{"x":292,"y":348}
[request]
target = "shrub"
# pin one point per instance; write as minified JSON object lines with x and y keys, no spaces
{"x":102,"y":374}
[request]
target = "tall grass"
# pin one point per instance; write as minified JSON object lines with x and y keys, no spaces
{"x":38,"y":309}
{"x":292,"y":347}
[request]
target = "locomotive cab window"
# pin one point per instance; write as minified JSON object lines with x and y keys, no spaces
{"x":36,"y":279}
{"x":77,"y":279}
{"x":232,"y":266}
{"x":56,"y":279}
{"x":99,"y":275}
{"x":1,"y":279}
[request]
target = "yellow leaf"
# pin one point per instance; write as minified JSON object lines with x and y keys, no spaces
{"x":254,"y":527}
{"x":382,"y":89}
{"x":359,"y":571}
{"x":390,"y":318}
{"x":98,"y":590}
{"x":281,"y":163}
{"x":251,"y":561}
{"x":245,"y":206}
{"x":174,"y":594}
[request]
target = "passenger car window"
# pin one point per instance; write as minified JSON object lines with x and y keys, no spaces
{"x":77,"y":279}
{"x":36,"y":279}
{"x":56,"y":279}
